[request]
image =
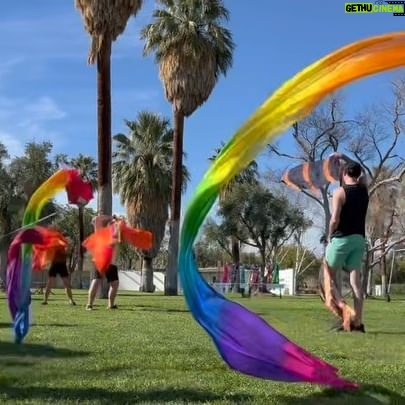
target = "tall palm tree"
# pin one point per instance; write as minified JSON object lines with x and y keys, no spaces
{"x":105,"y":20}
{"x":192,"y":49}
{"x":249,"y":175}
{"x":142,"y":176}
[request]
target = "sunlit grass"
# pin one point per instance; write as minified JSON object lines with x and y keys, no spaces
{"x":151,"y":351}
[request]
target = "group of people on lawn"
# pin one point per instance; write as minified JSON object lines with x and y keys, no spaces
{"x":344,"y":252}
{"x":59,"y":268}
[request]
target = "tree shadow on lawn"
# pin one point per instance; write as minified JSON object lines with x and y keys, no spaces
{"x":9,"y":349}
{"x":366,"y":395}
{"x":153,"y":308}
{"x":386,"y":332}
{"x":104,"y":396}
{"x":57,"y":324}
{"x":4,"y":325}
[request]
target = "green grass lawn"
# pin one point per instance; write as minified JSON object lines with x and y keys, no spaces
{"x":151,"y":351}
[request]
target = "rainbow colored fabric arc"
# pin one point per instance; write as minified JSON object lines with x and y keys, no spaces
{"x":19,"y":266}
{"x":244,"y":340}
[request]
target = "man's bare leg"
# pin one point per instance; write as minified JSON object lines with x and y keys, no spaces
{"x":112,"y":293}
{"x":94,"y":286}
{"x":355,"y":283}
{"x":48,"y":289}
{"x":334,"y":299}
{"x":338,"y":280}
{"x":68,"y":290}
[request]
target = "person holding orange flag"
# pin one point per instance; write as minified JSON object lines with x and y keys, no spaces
{"x":109,"y":231}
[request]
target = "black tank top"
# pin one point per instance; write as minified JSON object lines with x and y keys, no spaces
{"x":60,"y":255}
{"x":353,"y":215}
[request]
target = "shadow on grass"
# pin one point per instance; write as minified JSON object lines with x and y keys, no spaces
{"x":32,"y":350}
{"x":153,"y":308}
{"x":58,"y":325}
{"x":123,"y":294}
{"x":4,"y":325}
{"x":386,"y":332}
{"x":104,"y":396}
{"x":366,"y":395}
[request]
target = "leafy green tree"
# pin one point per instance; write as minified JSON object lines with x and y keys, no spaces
{"x":248,"y":176}
{"x":216,"y":234}
{"x":34,"y":167}
{"x":18,"y":180}
{"x":127,"y":257}
{"x":209,"y":254}
{"x":260,"y":219}
{"x":11,"y":207}
{"x":66,"y":222}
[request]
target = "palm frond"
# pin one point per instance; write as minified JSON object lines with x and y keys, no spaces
{"x":142,"y":173}
{"x":105,"y":18}
{"x":192,"y":48}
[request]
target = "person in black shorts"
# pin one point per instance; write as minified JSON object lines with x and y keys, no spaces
{"x":111,"y":275}
{"x":112,"y":278}
{"x":58,"y":267}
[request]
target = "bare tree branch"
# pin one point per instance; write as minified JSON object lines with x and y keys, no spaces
{"x":363,"y":163}
{"x":381,"y":183}
{"x":253,"y":235}
{"x":286,"y":155}
{"x":287,"y":238}
{"x":386,"y":250}
{"x":308,"y":194}
{"x":224,"y":247}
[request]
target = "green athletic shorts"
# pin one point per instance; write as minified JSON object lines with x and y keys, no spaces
{"x":346,"y":252}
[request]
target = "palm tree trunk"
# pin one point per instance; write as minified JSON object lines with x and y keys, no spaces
{"x":104,"y":133}
{"x":147,"y":270}
{"x":177,"y":177}
{"x":104,"y":127}
{"x":81,"y":250}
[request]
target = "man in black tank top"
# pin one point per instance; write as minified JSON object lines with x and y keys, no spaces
{"x":347,"y":230}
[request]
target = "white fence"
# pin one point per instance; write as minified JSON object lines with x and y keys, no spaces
{"x":132,"y":280}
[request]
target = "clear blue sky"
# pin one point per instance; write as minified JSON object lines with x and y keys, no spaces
{"x":48,"y":92}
